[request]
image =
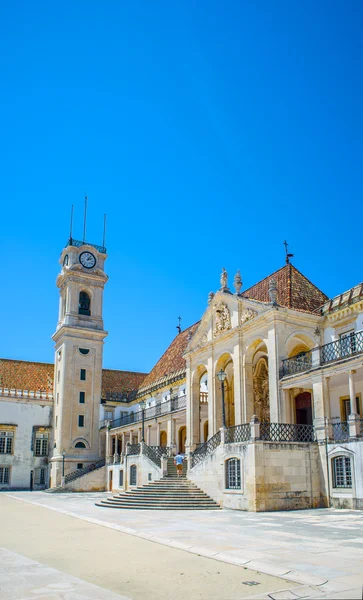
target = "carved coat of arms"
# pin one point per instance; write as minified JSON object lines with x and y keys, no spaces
{"x":222,"y":318}
{"x":248,"y":314}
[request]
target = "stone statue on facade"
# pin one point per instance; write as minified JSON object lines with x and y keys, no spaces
{"x":261,"y":399}
{"x":224,"y":280}
{"x":237,"y":282}
{"x":272,"y":291}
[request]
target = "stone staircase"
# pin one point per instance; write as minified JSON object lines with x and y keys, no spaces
{"x":168,"y":493}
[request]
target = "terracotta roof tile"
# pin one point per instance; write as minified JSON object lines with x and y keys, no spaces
{"x":172,"y":360}
{"x":24,"y":375}
{"x":294,"y":290}
{"x":121,"y":382}
{"x":39,"y":377}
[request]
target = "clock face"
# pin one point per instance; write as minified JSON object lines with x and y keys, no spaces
{"x":65,"y":260}
{"x":87,"y":260}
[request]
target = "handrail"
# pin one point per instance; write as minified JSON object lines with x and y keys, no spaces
{"x":345,"y":347}
{"x":79,"y":472}
{"x":162,"y":408}
{"x":205,"y":449}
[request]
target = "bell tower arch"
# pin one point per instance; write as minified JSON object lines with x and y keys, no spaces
{"x":78,"y":339}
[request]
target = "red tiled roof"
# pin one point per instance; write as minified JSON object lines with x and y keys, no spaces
{"x":294,"y":290}
{"x":120,"y":381}
{"x":25,"y":375}
{"x":39,"y":377}
{"x":172,"y":360}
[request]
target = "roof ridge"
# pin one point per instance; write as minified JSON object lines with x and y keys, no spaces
{"x":307,"y":279}
{"x":264,"y":279}
{"x":29,"y":362}
{"x":125,"y":371}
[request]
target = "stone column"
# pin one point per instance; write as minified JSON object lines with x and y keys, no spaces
{"x":123,"y":442}
{"x":148,"y":430}
{"x":353,"y":408}
{"x":286,"y":407}
{"x":212,"y":426}
{"x":273,"y":374}
{"x":131,"y":435}
{"x":237,"y":372}
{"x":318,"y":400}
{"x":248,"y":391}
{"x":158,"y":433}
{"x":193,"y":411}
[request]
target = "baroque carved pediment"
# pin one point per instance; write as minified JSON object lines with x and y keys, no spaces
{"x":247,"y":315}
{"x":222,"y":318}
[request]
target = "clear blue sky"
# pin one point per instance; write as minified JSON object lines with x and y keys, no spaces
{"x":207,"y":131}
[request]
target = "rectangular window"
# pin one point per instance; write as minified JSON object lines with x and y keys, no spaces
{"x":83,"y":375}
{"x":41,"y":444}
{"x":80,"y":420}
{"x":82,"y":397}
{"x":4,"y":475}
{"x":56,"y":421}
{"x":6,"y":442}
{"x":109,"y":415}
{"x":345,"y":407}
{"x":79,"y":465}
{"x":233,"y":474}
{"x":342,"y":472}
{"x":347,"y":343}
{"x":121,"y":479}
{"x":57,"y":398}
{"x":39,"y":476}
{"x":58,"y":376}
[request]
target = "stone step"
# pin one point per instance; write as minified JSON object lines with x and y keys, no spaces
{"x":153,"y":498}
{"x":104,"y":504}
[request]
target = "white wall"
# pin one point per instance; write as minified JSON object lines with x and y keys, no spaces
{"x":25,"y":415}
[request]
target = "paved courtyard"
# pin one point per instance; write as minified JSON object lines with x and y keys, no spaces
{"x":315,"y":553}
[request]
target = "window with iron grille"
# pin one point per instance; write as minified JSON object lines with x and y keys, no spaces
{"x":233,"y":474}
{"x":41,"y":444}
{"x":133,"y":474}
{"x":342,"y":472}
{"x":39,"y":476}
{"x":4,"y":475}
{"x":6,"y":442}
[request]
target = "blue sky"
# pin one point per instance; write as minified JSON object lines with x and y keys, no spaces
{"x":207,"y":131}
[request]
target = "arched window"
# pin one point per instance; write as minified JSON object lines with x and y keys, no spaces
{"x":80,"y":445}
{"x":233,"y":474}
{"x":133,"y":475}
{"x":342,"y":472}
{"x":84,"y":306}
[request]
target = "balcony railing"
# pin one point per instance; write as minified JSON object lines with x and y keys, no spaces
{"x":345,"y":347}
{"x":286,"y":432}
{"x":238,"y":433}
{"x":162,"y":408}
{"x":340,"y":432}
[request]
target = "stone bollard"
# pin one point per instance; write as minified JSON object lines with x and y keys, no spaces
{"x":255,"y":428}
{"x":164,"y":465}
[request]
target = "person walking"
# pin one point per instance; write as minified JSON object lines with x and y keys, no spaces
{"x":178,"y":462}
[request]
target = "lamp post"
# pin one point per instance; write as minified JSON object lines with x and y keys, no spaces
{"x":63,"y":457}
{"x":142,"y":406}
{"x":222,"y":376}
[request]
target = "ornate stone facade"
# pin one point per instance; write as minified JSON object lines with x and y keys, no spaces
{"x":222,"y":318}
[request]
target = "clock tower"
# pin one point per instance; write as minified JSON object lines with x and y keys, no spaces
{"x":78,"y":339}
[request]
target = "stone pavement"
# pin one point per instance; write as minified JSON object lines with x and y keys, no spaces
{"x":322,"y":550}
{"x":22,"y":578}
{"x":71,"y":553}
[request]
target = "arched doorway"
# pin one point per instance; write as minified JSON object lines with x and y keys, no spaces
{"x":182,"y":438}
{"x":261,"y":400}
{"x":303,"y":409}
{"x":163,"y":439}
{"x":205,"y":430}
{"x":225,"y":363}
